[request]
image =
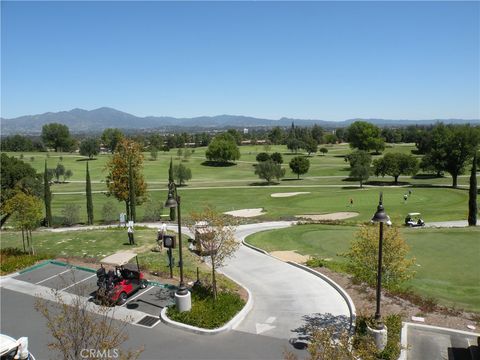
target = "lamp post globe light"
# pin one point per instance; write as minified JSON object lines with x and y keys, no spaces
{"x":380,"y":332}
{"x":183,"y":300}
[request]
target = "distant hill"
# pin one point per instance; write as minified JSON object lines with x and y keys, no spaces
{"x":79,"y":121}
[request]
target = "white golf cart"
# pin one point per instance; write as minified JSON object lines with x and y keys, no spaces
{"x":413,"y":219}
{"x":11,"y":349}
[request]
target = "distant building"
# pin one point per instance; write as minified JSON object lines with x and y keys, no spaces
{"x":245,"y":131}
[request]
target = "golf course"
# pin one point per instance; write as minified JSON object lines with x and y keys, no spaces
{"x":446,"y":259}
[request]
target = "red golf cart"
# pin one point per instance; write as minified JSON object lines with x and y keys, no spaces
{"x":121,"y":280}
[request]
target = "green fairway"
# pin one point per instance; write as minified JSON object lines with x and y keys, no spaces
{"x":447,"y":259}
{"x":450,"y":204}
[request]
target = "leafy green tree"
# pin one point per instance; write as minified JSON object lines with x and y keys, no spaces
{"x":111,"y":137}
{"x":360,"y":162}
{"x":365,"y":136}
{"x":395,"y":164}
{"x":16,"y":143}
{"x":269,"y":170}
{"x":26,"y":213}
{"x":330,"y":139}
{"x":276,"y":135}
{"x":299,"y":165}
{"x":263,"y":156}
{"x":293,"y":144}
{"x":181,"y":173}
{"x":310,"y":145}
{"x":59,"y":171}
{"x":187,"y":153}
{"x":118,"y":184}
{"x":277,"y":158}
{"x":68,"y":174}
{"x":47,"y":197}
{"x":171,"y":180}
{"x":219,"y":243}
{"x":16,"y":176}
{"x":131,"y":192}
{"x":237,"y":136}
{"x":472,"y":194}
{"x":450,"y":148}
{"x":57,"y":136}
{"x":323,"y":150}
{"x":90,"y":147}
{"x":153,"y":153}
{"x":223,"y":149}
{"x":317,"y":133}
{"x":88,"y":191}
{"x":363,"y":257}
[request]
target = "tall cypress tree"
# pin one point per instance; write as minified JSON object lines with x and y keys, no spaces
{"x":47,"y":196}
{"x":88,"y":191}
{"x":131,"y":189}
{"x":472,"y":194}
{"x":170,"y":180}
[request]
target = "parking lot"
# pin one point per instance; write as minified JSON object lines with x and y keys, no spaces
{"x":83,"y":282}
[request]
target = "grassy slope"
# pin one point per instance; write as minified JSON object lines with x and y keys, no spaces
{"x":447,"y":258}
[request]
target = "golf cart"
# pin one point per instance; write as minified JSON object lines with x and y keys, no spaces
{"x":121,"y":280}
{"x":414,"y":219}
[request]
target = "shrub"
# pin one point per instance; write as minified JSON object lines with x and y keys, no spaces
{"x":315,"y":262}
{"x":153,"y":211}
{"x":207,"y":313}
{"x":71,"y":214}
{"x":13,"y":259}
{"x":109,"y":212}
{"x":393,"y":323}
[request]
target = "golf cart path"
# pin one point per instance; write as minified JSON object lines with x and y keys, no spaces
{"x":447,"y":224}
{"x":285,"y":297}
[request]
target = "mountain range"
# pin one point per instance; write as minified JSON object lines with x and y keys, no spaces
{"x":87,"y":121}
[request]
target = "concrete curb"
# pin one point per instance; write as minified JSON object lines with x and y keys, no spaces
{"x":232,"y":324}
{"x":338,"y":288}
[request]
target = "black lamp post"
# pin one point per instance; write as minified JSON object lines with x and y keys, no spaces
{"x":182,"y":296}
{"x":380,"y":217}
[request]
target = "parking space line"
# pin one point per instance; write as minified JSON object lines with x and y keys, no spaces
{"x":143,"y":292}
{"x":78,"y":282}
{"x":51,"y":277}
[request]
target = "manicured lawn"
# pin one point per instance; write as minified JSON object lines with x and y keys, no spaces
{"x":100,"y":243}
{"x":450,"y":204}
{"x":447,"y":259}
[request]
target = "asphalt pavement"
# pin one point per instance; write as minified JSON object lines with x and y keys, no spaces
{"x":286,"y":300}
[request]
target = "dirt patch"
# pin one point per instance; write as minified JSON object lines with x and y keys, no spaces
{"x":291,"y":256}
{"x":288,"y":194}
{"x":364,"y":299}
{"x":331,"y":216}
{"x":246,"y":212}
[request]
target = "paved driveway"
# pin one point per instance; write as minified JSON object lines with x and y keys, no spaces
{"x":285,"y":298}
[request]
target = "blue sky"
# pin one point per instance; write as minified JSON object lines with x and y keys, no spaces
{"x":310,"y":60}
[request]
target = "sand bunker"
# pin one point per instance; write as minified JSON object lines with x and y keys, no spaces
{"x":290,"y":256}
{"x":288,"y":194}
{"x":246,"y":212}
{"x":332,"y":216}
